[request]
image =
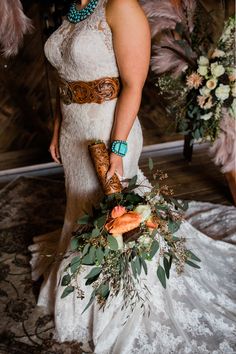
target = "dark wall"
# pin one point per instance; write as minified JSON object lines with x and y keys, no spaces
{"x":27,"y":91}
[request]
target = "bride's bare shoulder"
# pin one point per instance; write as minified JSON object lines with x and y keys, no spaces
{"x":114,"y":5}
{"x":120,"y":8}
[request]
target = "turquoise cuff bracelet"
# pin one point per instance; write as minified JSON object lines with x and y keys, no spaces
{"x":119,"y":147}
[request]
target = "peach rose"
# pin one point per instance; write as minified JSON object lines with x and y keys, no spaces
{"x":118,"y":211}
{"x":123,"y":223}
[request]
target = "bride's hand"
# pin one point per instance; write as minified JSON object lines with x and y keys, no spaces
{"x":116,"y":166}
{"x":54,"y":149}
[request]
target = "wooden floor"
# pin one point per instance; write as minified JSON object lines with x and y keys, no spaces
{"x":200,"y":180}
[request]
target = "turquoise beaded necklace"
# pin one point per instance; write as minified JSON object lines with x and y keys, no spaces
{"x":74,"y":15}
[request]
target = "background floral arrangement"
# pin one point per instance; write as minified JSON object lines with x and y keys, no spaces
{"x":123,"y":234}
{"x":194,"y":75}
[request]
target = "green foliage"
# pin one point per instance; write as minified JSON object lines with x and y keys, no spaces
{"x":113,"y":244}
{"x":154,"y":248}
{"x":75,"y":264}
{"x":74,"y":244}
{"x":167,"y":267}
{"x":173,"y":226}
{"x":68,"y":290}
{"x":94,"y":272}
{"x":84,"y":220}
{"x":150,"y":164}
{"x":192,"y":264}
{"x":66,"y":280}
{"x":161,"y":275}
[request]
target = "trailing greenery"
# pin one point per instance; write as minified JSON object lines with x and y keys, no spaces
{"x":113,"y":267}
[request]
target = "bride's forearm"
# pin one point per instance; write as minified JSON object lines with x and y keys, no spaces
{"x":126,"y":111}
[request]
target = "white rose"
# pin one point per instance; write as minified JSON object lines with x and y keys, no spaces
{"x":217,"y":70}
{"x":222,"y":92}
{"x":218,"y":53}
{"x":203,"y":61}
{"x":202,"y":70}
{"x":204,"y":91}
{"x":145,"y":240}
{"x":211,"y":84}
{"x":233,"y":90}
{"x":144,"y":211}
{"x":206,"y":116}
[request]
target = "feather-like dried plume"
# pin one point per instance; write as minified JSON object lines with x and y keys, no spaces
{"x":166,"y":14}
{"x":188,"y":10}
{"x":161,"y":15}
{"x":14,"y":24}
{"x":170,"y":56}
{"x":223,"y":150}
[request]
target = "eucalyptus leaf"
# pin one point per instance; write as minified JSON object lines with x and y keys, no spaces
{"x":138,"y":265}
{"x":193,"y":256}
{"x":161,"y":275}
{"x":154,"y":248}
{"x":90,"y":301}
{"x":95,"y":232}
{"x":66,"y":280}
{"x":87,"y":260}
{"x":133,"y":266}
{"x":113,"y":244}
{"x":99,"y":254}
{"x":94,"y":272}
{"x":191,"y":264}
{"x":173,"y":226}
{"x":144,"y":264}
{"x":75,"y":263}
{"x":84,"y":220}
{"x":150,"y":164}
{"x":103,"y":290}
{"x":74,"y":244}
{"x":68,"y":290}
{"x":133,"y":181}
{"x":161,"y":207}
{"x":86,"y":249}
{"x":167,"y":267}
{"x":101,"y":221}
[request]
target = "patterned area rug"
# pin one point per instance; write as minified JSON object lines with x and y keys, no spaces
{"x":32,"y":206}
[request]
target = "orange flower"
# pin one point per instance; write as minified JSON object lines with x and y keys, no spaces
{"x":124,"y":223}
{"x":194,"y":80}
{"x":151,"y":224}
{"x":118,"y":211}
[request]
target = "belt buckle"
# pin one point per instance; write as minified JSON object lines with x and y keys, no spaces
{"x":65,"y":92}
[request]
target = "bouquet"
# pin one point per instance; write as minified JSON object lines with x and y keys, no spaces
{"x":123,"y":234}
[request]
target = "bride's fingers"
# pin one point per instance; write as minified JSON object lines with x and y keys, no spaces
{"x":110,"y":172}
{"x":52,"y":150}
{"x":57,"y":152}
{"x":113,"y":170}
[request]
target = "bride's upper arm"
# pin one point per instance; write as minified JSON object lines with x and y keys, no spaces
{"x":131,"y":40}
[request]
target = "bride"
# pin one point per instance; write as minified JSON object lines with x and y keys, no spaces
{"x":101,"y":52}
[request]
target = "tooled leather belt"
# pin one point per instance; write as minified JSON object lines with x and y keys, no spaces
{"x":96,"y":91}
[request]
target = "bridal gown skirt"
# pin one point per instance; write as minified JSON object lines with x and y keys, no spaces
{"x":195,"y":314}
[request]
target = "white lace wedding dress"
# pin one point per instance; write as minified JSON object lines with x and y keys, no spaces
{"x":196,"y":313}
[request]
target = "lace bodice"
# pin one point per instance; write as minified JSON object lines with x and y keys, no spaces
{"x":83,"y":51}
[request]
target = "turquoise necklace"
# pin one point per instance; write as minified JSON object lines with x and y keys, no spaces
{"x":74,"y":15}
